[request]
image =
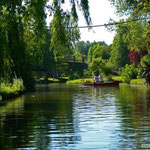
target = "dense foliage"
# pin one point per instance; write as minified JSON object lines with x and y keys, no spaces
{"x":135,"y":32}
{"x":100,"y":66}
{"x":145,"y":63}
{"x":23,"y":35}
{"x":11,"y":88}
{"x":119,"y":53}
{"x":132,"y":7}
{"x":99,"y":49}
{"x":129,"y":72}
{"x":27,"y":45}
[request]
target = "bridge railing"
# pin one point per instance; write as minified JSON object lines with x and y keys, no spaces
{"x":81,"y":59}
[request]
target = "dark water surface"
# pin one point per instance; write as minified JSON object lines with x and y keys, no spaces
{"x":71,"y":117}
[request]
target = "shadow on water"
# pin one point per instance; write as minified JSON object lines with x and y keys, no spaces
{"x":60,"y":116}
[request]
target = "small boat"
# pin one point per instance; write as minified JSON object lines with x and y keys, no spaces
{"x":108,"y":83}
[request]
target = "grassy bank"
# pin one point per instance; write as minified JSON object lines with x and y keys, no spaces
{"x":132,"y":81}
{"x":52,"y":80}
{"x":115,"y":78}
{"x":137,"y":82}
{"x":80,"y":81}
{"x":10,"y":90}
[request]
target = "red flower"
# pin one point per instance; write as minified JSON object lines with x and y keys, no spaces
{"x":134,"y":57}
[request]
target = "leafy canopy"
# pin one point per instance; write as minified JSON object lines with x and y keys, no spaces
{"x":132,"y":7}
{"x":22,"y":30}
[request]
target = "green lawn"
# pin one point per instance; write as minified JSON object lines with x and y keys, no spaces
{"x":80,"y":81}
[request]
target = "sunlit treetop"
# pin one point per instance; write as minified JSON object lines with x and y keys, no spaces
{"x":132,"y":7}
{"x":29,"y":5}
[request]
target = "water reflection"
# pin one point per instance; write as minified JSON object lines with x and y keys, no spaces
{"x":72,"y":117}
{"x":133,"y":106}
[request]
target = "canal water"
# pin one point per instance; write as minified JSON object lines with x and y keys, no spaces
{"x":73,"y":117}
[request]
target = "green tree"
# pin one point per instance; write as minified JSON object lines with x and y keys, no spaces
{"x":99,"y":50}
{"x":17,"y":55}
{"x":96,"y":65}
{"x":129,"y":72}
{"x":137,"y":32}
{"x":120,"y":52}
{"x":145,"y":68}
{"x":22,"y":34}
{"x":82,"y":47}
{"x":99,"y":65}
{"x":132,"y":7}
{"x":105,"y":52}
{"x":48,"y":62}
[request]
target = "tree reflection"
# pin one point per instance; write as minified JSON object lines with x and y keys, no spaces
{"x":67,"y":117}
{"x":40,"y":120}
{"x":133,"y":104}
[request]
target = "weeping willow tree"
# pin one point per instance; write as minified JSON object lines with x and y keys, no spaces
{"x":22,"y":24}
{"x":22,"y":34}
{"x":64,"y":28}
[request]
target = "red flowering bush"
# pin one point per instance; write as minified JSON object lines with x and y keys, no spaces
{"x":134,"y":57}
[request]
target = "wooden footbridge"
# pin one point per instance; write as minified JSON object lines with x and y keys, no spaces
{"x":73,"y":62}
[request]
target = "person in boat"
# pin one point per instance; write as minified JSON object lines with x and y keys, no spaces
{"x":101,"y":78}
{"x":96,"y":79}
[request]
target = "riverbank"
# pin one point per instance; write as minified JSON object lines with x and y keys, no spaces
{"x":114,"y":78}
{"x":52,"y":80}
{"x":15,"y":89}
{"x":11,"y":90}
{"x":80,"y":81}
{"x":138,"y":82}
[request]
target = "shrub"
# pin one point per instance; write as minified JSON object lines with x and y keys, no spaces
{"x":74,"y":76}
{"x":138,"y":81}
{"x":9,"y":88}
{"x":100,"y":65}
{"x":145,"y":70}
{"x":107,"y":69}
{"x":134,"y":57}
{"x":87,"y":73}
{"x":96,"y":65}
{"x":129,"y":72}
